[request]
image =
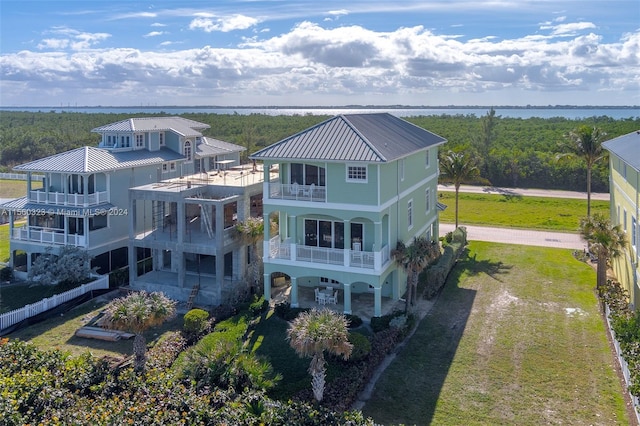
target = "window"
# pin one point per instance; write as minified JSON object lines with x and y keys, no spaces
{"x":161,"y":136}
{"x":426,"y":159}
{"x":139,"y":140}
{"x":402,"y":169}
{"x":307,"y":174}
{"x":410,"y":214}
{"x":97,"y":222}
{"x":427,"y":200}
{"x":187,"y":150}
{"x":165,"y":167}
{"x":357,"y":173}
{"x":172,"y":166}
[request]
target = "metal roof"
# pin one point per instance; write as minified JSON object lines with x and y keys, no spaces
{"x":209,"y":147}
{"x":179,"y":125}
{"x":626,"y":147}
{"x":23,"y":204}
{"x":90,"y":160}
{"x":379,"y":137}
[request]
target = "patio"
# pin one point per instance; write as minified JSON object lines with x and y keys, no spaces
{"x":361,"y":303}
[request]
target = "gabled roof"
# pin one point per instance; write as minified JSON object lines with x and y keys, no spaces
{"x":90,"y":160}
{"x":379,"y":137}
{"x":208,"y":147}
{"x":179,"y":125}
{"x":627,"y":147}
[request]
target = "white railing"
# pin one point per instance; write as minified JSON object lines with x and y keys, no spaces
{"x":20,"y":176}
{"x":13,"y":317}
{"x":286,"y":191}
{"x":48,"y":235}
{"x":624,"y":367}
{"x":60,"y":198}
{"x":356,"y":259}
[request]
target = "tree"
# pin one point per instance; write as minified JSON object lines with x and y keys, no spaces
{"x":251,"y":231}
{"x":71,"y":265}
{"x":314,"y":332}
{"x":586,"y":142}
{"x":136,"y":313}
{"x":485,"y":139}
{"x":458,"y":168}
{"x":605,"y":240}
{"x":413,"y":259}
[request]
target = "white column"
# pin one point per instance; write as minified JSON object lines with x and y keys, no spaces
{"x":377,"y":302}
{"x":267,"y":287}
{"x":294,"y":292}
{"x":347,"y":298}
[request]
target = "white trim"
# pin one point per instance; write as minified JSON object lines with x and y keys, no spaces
{"x":356,"y":166}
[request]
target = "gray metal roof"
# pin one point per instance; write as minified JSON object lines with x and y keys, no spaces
{"x":379,"y":137}
{"x":626,"y":147}
{"x":22,"y":204}
{"x":90,"y":160}
{"x":209,"y":147}
{"x":179,"y":125}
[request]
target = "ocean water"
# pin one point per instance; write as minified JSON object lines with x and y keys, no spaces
{"x":512,"y":112}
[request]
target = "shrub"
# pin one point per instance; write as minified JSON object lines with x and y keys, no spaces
{"x":6,"y":274}
{"x":433,"y":278}
{"x":361,"y":346}
{"x":382,"y":323}
{"x":71,"y":264}
{"x":258,"y":305}
{"x":354,"y":321}
{"x":195,"y":323}
{"x":286,"y":312}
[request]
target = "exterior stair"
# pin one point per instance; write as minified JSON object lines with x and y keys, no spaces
{"x":192,"y":296}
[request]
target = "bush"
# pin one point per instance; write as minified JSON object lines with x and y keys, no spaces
{"x":258,"y":305}
{"x":379,"y":324}
{"x":286,"y":312}
{"x":361,"y":346}
{"x":433,"y":278}
{"x":6,"y":274}
{"x":195,"y":323}
{"x":354,"y":321}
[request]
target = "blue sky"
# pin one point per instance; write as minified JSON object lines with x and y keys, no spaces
{"x":333,"y":53}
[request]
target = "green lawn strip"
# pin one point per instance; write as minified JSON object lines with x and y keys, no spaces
{"x":59,"y":332}
{"x":10,"y":188}
{"x":555,"y":214}
{"x":4,"y":242}
{"x":515,"y":338}
{"x":17,"y":296}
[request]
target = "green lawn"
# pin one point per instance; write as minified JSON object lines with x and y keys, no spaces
{"x":556,"y":214}
{"x":4,"y":242}
{"x":10,"y":188}
{"x":516,"y":337}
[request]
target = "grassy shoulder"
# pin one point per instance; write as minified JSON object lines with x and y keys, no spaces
{"x":10,"y":188}
{"x":554,"y":214}
{"x":515,"y":338}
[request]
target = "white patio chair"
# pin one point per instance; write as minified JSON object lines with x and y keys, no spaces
{"x":317,"y":291}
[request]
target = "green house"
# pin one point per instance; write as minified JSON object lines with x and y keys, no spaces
{"x":347,"y":190}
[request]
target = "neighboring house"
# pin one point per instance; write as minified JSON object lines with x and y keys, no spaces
{"x":624,"y":176}
{"x":348,"y":190}
{"x":86,"y":200}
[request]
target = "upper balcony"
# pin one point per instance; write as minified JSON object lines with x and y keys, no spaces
{"x":62,"y":199}
{"x":48,"y":235}
{"x":294,"y":191}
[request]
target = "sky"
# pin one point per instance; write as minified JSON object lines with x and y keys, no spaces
{"x":319,"y":53}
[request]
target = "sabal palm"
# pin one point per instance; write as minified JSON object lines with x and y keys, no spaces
{"x":413,"y":259}
{"x":458,"y":168}
{"x":586,"y":142}
{"x":136,"y":313}
{"x":605,"y":240}
{"x":314,"y":332}
{"x":251,"y":231}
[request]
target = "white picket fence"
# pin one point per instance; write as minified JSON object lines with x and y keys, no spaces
{"x":20,"y":176}
{"x":623,"y":364}
{"x":13,"y":317}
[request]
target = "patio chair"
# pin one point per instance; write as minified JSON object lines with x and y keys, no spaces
{"x":317,"y":291}
{"x":334,"y":299}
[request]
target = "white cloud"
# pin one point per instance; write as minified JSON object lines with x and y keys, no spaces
{"x":568,"y":29}
{"x":209,"y":23}
{"x":72,"y":39}
{"x":154,"y":34}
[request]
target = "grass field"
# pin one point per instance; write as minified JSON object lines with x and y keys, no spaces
{"x":516,"y":337}
{"x":10,"y":188}
{"x":555,"y":214}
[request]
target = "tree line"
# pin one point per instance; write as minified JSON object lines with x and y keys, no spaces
{"x":514,"y":152}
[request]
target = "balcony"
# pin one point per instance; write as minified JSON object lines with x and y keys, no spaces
{"x":293,"y":191}
{"x":284,"y":250}
{"x":62,"y":199}
{"x":43,"y":235}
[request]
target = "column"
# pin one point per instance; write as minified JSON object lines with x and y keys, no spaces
{"x":377,"y":301}
{"x":132,"y":248}
{"x":85,"y":190}
{"x":347,"y":244}
{"x":180,"y":219}
{"x":294,"y":292}
{"x":347,"y":298}
{"x":29,"y":186}
{"x":267,"y":287}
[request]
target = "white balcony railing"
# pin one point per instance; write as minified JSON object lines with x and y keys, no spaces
{"x":60,"y":198}
{"x":48,"y":236}
{"x":300,"y":253}
{"x":286,"y":191}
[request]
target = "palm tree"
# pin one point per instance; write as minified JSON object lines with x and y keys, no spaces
{"x":136,"y":313}
{"x":605,"y":240}
{"x":586,"y":142}
{"x":458,"y":168}
{"x":314,"y":332}
{"x":413,"y":259}
{"x":251,"y":231}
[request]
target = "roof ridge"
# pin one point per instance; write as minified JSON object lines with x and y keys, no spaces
{"x":363,"y":137}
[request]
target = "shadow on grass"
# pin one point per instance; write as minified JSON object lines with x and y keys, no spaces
{"x":473,"y":266}
{"x":409,"y":390}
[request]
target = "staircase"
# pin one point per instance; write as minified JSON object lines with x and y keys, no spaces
{"x":192,"y":296}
